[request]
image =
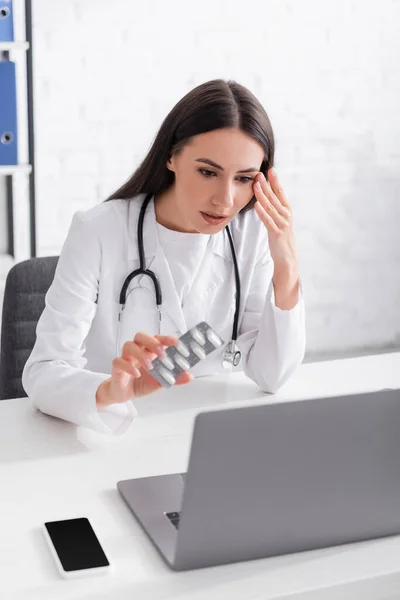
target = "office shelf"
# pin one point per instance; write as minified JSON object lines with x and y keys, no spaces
{"x":14,"y":169}
{"x":10,"y":46}
{"x":21,"y":52}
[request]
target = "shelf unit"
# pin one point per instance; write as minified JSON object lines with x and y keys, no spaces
{"x":7,"y":46}
{"x":6,"y":49}
{"x":13,"y":169}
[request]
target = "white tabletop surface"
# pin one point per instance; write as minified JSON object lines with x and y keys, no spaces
{"x":51,"y":470}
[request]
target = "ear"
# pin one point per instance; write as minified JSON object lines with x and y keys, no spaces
{"x":171,"y":163}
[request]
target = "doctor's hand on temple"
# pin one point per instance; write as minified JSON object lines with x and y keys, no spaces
{"x":274,"y":211}
{"x":130,"y":377}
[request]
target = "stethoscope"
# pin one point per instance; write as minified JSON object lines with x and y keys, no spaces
{"x":232,"y":354}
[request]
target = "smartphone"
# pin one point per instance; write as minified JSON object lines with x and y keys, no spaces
{"x":76,"y":548}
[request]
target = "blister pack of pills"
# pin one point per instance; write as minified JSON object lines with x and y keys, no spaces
{"x":192,"y":347}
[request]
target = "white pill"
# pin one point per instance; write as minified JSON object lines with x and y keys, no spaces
{"x":182,"y":349}
{"x":198,"y":350}
{"x":167,"y":362}
{"x":167,"y":375}
{"x":214,"y":338}
{"x":198,"y":336}
{"x":182,"y":363}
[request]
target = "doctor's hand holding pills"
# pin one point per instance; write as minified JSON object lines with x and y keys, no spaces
{"x":130,"y":377}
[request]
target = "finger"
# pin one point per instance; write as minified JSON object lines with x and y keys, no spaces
{"x":276,"y":203}
{"x":121,"y":365}
{"x":277,"y":187}
{"x":131,"y":351}
{"x":266,"y":219}
{"x":167,"y":340}
{"x":183,"y":378}
{"x":154,"y":344}
{"x":265,"y":202}
{"x":269,"y":192}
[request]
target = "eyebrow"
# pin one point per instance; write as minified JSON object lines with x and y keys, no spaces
{"x":216,"y":166}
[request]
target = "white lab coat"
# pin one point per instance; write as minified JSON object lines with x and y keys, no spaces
{"x":78,"y":334}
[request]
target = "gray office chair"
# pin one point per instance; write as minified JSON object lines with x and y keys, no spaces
{"x":26,"y":286}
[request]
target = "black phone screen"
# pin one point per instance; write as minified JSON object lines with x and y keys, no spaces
{"x":76,"y":544}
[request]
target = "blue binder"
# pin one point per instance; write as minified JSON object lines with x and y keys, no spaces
{"x":8,"y":115}
{"x":6,"y":21}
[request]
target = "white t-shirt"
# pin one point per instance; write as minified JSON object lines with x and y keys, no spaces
{"x":184,"y":253}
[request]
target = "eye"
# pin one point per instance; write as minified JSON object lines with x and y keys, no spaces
{"x":244,"y":179}
{"x":207,"y":173}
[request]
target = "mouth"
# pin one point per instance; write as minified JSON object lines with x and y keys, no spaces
{"x":213,"y":219}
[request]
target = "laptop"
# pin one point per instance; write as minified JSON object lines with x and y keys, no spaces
{"x":276,"y":479}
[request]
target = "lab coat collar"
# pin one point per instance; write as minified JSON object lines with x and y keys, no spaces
{"x":221,"y":245}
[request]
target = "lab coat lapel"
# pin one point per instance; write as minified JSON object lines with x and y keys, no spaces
{"x":172,"y":317}
{"x":171,"y":310}
{"x":206,"y":295}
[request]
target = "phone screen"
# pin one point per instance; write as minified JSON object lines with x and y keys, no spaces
{"x":76,"y":544}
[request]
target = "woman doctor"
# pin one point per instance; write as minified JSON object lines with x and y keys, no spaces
{"x":211,"y":165}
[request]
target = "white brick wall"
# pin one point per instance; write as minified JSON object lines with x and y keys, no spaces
{"x":327,"y":74}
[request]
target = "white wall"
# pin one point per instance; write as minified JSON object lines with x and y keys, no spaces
{"x":327,"y":73}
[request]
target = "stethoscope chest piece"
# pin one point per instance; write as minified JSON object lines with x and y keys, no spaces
{"x":231,"y":356}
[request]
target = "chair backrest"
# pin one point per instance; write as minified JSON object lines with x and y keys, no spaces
{"x":26,"y":287}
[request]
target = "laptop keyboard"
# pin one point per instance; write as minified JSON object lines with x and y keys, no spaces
{"x":173,"y":518}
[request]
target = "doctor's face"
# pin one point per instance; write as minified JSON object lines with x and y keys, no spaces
{"x":214,"y":178}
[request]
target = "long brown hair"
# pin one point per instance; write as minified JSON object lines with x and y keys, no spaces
{"x":216,"y":104}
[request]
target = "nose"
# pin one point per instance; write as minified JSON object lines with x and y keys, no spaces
{"x":225,"y":196}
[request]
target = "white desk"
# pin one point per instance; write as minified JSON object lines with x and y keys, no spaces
{"x":52,"y":470}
